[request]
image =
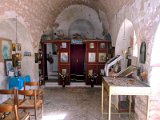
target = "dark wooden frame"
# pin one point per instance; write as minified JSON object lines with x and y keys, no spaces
{"x":5,"y":65}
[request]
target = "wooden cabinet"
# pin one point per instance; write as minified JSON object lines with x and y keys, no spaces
{"x":97,"y":53}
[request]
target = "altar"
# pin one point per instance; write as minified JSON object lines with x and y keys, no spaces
{"x":124,"y":86}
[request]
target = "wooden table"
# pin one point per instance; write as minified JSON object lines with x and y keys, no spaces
{"x":124,"y":86}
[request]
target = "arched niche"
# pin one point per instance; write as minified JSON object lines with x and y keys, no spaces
{"x":82,"y":27}
{"x":126,"y":37}
{"x":8,"y":30}
{"x":126,"y":42}
{"x":74,"y":13}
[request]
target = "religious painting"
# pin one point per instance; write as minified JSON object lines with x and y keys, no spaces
{"x":36,"y":57}
{"x":143,"y":53}
{"x":64,"y":57}
{"x":19,"y":56}
{"x":91,"y":45}
{"x":15,"y":61}
{"x":5,"y":49}
{"x":91,"y":57}
{"x":64,"y":45}
{"x":64,"y":71}
{"x":90,"y":72}
{"x":102,"y":57}
{"x":129,"y":51}
{"x":19,"y":65}
{"x":102,"y":72}
{"x":13,"y":46}
{"x":102,"y":45}
{"x":18,"y":47}
{"x":8,"y":66}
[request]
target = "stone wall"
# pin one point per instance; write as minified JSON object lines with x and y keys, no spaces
{"x":144,"y":15}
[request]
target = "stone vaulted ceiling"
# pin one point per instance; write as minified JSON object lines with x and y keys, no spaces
{"x":37,"y":14}
{"x":110,"y":7}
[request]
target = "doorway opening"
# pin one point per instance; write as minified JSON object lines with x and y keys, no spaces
{"x":77,"y":57}
{"x":52,"y":62}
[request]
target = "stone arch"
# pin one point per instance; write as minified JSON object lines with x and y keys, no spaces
{"x":126,"y":37}
{"x":155,"y":61}
{"x":82,"y":27}
{"x":154,"y":75}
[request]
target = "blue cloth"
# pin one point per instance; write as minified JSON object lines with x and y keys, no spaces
{"x":18,"y":82}
{"x":27,"y":78}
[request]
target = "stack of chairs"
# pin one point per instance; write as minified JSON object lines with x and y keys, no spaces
{"x":33,"y":98}
{"x":9,"y":109}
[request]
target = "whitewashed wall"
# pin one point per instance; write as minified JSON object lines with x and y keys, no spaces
{"x":8,"y":31}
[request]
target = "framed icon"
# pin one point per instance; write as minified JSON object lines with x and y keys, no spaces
{"x":90,"y":72}
{"x":64,"y":57}
{"x":102,"y":45}
{"x":101,"y":71}
{"x":13,"y":46}
{"x":102,"y":57}
{"x":64,"y":45}
{"x":18,"y":47}
{"x":36,"y":57}
{"x":143,"y":53}
{"x":91,"y":45}
{"x":64,"y":71}
{"x":5,"y":49}
{"x":8,"y":66}
{"x":19,"y":65}
{"x":91,"y":57}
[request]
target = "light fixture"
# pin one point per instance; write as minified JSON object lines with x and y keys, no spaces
{"x":124,"y":26}
{"x":16,"y":31}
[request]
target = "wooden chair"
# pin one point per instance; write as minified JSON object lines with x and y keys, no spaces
{"x":30,"y":101}
{"x":13,"y":96}
{"x":14,"y":114}
{"x":36,"y":85}
{"x":8,"y":93}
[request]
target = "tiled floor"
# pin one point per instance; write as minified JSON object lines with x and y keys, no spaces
{"x":75,"y":103}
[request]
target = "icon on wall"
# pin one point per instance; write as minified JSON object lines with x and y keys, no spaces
{"x":64,"y":57}
{"x":5,"y":49}
{"x":18,"y":47}
{"x":91,"y":45}
{"x":102,"y":57}
{"x":91,"y":57}
{"x":143,"y":53}
{"x":8,"y":65}
{"x":64,"y":45}
{"x":102,"y":45}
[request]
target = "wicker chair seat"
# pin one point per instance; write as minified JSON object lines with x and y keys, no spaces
{"x":22,"y":116}
{"x":10,"y":101}
{"x":29,"y":103}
